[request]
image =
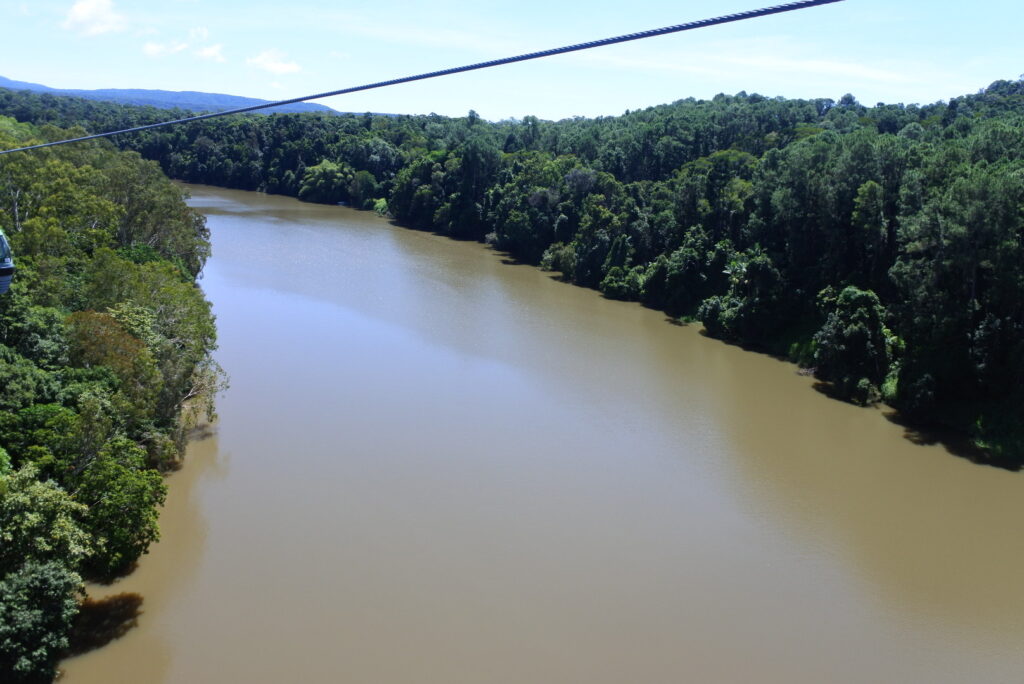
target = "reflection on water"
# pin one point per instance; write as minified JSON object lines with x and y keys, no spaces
{"x":435,"y":467}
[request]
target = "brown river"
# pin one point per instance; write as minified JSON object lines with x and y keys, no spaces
{"x":435,"y":467}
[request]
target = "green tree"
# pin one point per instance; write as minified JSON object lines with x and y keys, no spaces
{"x":327,"y":182}
{"x":38,"y":603}
{"x":122,"y":496}
{"x":362,"y":190}
{"x":45,"y":435}
{"x":105,"y":339}
{"x":755,"y":307}
{"x":98,"y":339}
{"x":41,"y":547}
{"x":39,"y":522}
{"x":869,"y":235}
{"x":36,"y":332}
{"x":22,"y":381}
{"x":853,"y":349}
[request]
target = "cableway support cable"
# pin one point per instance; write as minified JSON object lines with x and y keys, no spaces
{"x":703,"y":23}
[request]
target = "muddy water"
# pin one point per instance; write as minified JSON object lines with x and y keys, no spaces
{"x":434,"y":467}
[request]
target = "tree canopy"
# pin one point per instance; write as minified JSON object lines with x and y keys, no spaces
{"x":755,"y":215}
{"x":104,"y":339}
{"x":879,"y":246}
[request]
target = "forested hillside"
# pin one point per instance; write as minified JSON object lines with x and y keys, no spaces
{"x":165,"y":99}
{"x":105,"y":344}
{"x":879,"y":246}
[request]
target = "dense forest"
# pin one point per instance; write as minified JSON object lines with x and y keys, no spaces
{"x":105,"y":344}
{"x":165,"y":99}
{"x":879,"y":247}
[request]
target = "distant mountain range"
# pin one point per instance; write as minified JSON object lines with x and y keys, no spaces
{"x":167,"y":99}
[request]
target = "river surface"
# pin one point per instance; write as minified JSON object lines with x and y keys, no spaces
{"x":435,"y":467}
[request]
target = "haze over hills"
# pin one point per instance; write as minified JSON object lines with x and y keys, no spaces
{"x":167,"y":99}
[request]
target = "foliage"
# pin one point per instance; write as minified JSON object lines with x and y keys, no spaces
{"x":41,"y":546}
{"x":853,"y":349}
{"x":738,"y":210}
{"x":753,"y":308}
{"x":882,"y":245}
{"x":122,"y":495}
{"x":38,"y":602}
{"x":326,"y":182}
{"x":24,"y":383}
{"x":39,"y":522}
{"x":105,"y":344}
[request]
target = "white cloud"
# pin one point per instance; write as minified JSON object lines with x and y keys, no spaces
{"x":199,"y":33}
{"x":212,"y":53}
{"x":274,"y":62}
{"x":94,"y":17}
{"x":161,"y":49}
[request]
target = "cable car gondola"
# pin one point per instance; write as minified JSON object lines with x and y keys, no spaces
{"x":6,"y":264}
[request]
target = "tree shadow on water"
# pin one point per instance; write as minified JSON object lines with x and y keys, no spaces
{"x":101,"y":621}
{"x":954,"y":442}
{"x":509,"y":260}
{"x":829,"y":390}
{"x":202,"y":431}
{"x":108,"y":577}
{"x":752,"y":347}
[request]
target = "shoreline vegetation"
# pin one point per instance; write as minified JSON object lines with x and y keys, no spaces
{"x":878,"y":246}
{"x":105,"y":365}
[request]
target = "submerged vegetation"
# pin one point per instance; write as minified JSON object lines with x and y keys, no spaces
{"x":880,"y":246}
{"x":105,"y":364}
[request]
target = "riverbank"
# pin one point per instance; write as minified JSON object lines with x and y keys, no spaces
{"x":470,"y":462}
{"x":892,"y":232}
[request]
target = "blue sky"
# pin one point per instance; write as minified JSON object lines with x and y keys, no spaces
{"x":879,"y":51}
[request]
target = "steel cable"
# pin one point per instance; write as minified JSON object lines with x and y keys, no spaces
{"x":703,"y":23}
